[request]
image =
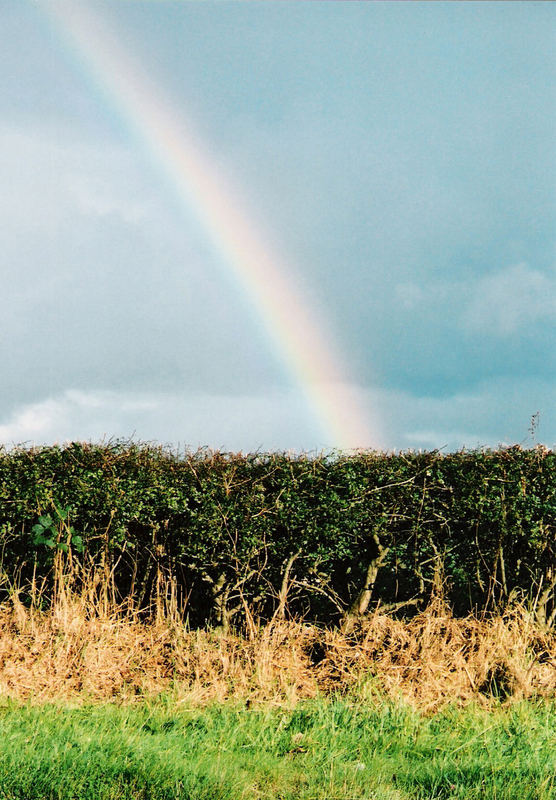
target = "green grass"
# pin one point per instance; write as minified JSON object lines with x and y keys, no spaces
{"x":326,"y":749}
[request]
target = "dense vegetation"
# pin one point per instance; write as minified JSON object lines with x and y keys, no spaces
{"x":339,"y":750}
{"x":232,"y":537}
{"x":184,"y":595}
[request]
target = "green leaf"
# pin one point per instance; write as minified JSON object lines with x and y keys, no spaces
{"x":64,"y":512}
{"x":63,"y":546}
{"x":38,"y":530}
{"x":46,"y":521}
{"x":49,"y":542}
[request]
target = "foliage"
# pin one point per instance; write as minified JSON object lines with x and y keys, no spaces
{"x":48,"y":532}
{"x":233,"y":535}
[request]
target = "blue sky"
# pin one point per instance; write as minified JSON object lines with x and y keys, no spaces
{"x":399,"y":156}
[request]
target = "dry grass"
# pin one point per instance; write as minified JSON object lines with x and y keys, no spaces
{"x":74,"y":654}
{"x":435,"y":659}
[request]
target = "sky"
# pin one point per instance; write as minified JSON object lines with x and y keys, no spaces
{"x":261,"y":226}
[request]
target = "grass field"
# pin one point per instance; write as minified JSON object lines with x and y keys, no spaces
{"x":327,"y":748}
{"x":103,"y":705}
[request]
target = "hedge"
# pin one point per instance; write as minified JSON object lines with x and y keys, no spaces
{"x":267,"y":534}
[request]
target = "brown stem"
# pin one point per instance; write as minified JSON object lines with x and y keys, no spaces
{"x":280,"y":612}
{"x":361,"y":602}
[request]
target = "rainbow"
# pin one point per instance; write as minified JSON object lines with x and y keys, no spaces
{"x":298,"y":336}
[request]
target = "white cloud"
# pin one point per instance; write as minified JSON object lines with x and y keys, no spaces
{"x":51,"y":178}
{"x":251,"y":422}
{"x":499,"y":304}
{"x":408,"y":295}
{"x":63,"y":417}
{"x":100,"y":196}
{"x":449,"y":440}
{"x":495,"y":413}
{"x":510,"y":300}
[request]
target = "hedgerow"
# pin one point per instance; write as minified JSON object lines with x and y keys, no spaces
{"x":236,"y":536}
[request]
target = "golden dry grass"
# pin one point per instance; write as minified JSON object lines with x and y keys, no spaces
{"x":73,"y":653}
